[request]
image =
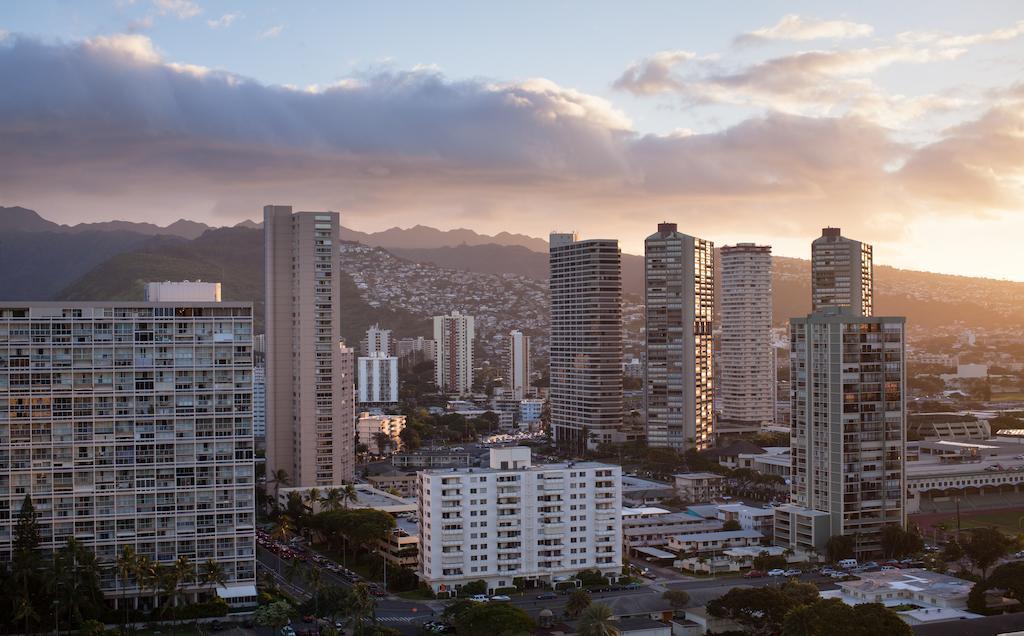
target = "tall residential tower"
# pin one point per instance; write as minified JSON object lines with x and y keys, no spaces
{"x":842,"y":274}
{"x":517,"y":365}
{"x":454,"y":336}
{"x":746,"y":355}
{"x":586,"y":340}
{"x":310,"y":411}
{"x":679,"y":374}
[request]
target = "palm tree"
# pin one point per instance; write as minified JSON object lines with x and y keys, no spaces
{"x":361,"y":604}
{"x":349,"y":494}
{"x":316,"y":585}
{"x":597,"y":620}
{"x":212,"y":573}
{"x":578,"y":601}
{"x":800,"y":621}
{"x":313,"y":498}
{"x":126,"y":566}
{"x":282,"y":531}
{"x":332,"y":499}
{"x":382,"y":440}
{"x":147,"y":574}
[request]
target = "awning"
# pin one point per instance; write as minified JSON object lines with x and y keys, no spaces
{"x":656,"y":553}
{"x":238,"y":591}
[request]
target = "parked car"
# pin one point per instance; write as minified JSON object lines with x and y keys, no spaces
{"x":839,"y":575}
{"x":793,"y":572}
{"x":777,"y":572}
{"x":753,"y":574}
{"x":546,"y":596}
{"x":287,"y":630}
{"x":501,"y":598}
{"x":1019,"y":555}
{"x":889,"y":568}
{"x":479,"y":598}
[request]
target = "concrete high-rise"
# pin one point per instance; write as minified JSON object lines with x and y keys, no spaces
{"x":259,"y":400}
{"x":377,"y":341}
{"x":679,"y":278}
{"x":129,"y":424}
{"x":849,"y":420}
{"x":842,"y":273}
{"x":310,"y":417}
{"x":517,"y":365}
{"x":514,"y":519}
{"x":377,"y":380}
{"x":746,"y":356}
{"x":585,"y":284}
{"x":454,"y":337}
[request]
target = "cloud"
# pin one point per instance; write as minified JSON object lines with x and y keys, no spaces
{"x":272,"y":32}
{"x":654,"y":74}
{"x":223,"y":21}
{"x":810,"y":82}
{"x":796,"y":28}
{"x":114,"y":130}
{"x":950,"y":40}
{"x":182,"y":9}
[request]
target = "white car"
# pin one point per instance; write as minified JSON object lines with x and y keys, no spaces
{"x":793,"y":572}
{"x":501,"y":597}
{"x":777,"y":572}
{"x":479,"y":598}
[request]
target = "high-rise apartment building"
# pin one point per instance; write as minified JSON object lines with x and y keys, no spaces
{"x":129,"y":424}
{"x":377,"y":341}
{"x":516,"y":520}
{"x":377,"y":379}
{"x":849,"y":421}
{"x":842,"y":274}
{"x":679,"y":375}
{"x":746,"y":356}
{"x":454,"y":336}
{"x":259,"y":400}
{"x":183,"y":291}
{"x":310,"y":417}
{"x":585,"y":285}
{"x":517,"y":365}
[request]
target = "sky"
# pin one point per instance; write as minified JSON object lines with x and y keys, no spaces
{"x":902,"y":123}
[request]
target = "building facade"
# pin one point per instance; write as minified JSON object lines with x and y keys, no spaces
{"x":517,"y":365}
{"x":516,"y":520}
{"x":586,"y":340}
{"x":377,"y":341}
{"x":377,"y":379}
{"x":454,"y":336}
{"x":746,"y":355}
{"x":259,"y":400}
{"x":849,"y":421}
{"x":310,"y":406}
{"x":129,"y":425}
{"x":390,"y":427}
{"x":679,"y":276}
{"x":183,"y":291}
{"x":842,"y":273}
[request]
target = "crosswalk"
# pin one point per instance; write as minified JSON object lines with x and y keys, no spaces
{"x":395,"y":619}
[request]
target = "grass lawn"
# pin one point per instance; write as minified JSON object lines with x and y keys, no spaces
{"x":1008,"y":521}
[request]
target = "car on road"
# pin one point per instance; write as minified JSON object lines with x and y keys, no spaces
{"x":753,"y":574}
{"x":438,"y":627}
{"x":1019,"y":555}
{"x":479,"y":598}
{"x":502,"y":598}
{"x":546,"y":596}
{"x":777,"y":572}
{"x":793,"y":572}
{"x":889,"y":568}
{"x":287,"y":630}
{"x":839,"y":575}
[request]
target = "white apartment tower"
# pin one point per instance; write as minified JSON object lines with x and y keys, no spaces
{"x":842,"y":274}
{"x":310,"y":417}
{"x":849,"y":421}
{"x":377,"y":379}
{"x":377,"y":341}
{"x":679,"y":374}
{"x":747,"y":358}
{"x":516,"y":520}
{"x":585,"y":285}
{"x":129,"y":424}
{"x":454,"y":336}
{"x":517,"y":365}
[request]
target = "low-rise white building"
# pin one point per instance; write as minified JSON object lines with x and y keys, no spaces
{"x":713,"y":542}
{"x":516,"y":520}
{"x":650,"y":526}
{"x":369,"y":424}
{"x":935,"y":597}
{"x":699,"y":486}
{"x":749,"y":517}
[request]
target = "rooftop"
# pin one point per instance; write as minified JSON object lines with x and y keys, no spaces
{"x":911,"y":581}
{"x":722,"y":535}
{"x":698,"y":476}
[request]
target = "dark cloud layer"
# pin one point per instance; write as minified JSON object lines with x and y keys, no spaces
{"x":106,"y":128}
